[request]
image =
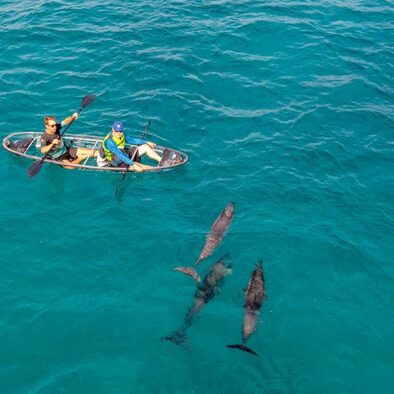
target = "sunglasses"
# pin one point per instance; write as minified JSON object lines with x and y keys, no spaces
{"x":51,"y":125}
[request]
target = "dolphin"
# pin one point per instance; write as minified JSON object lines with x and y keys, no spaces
{"x":213,"y":239}
{"x":204,"y":293}
{"x":255,"y":294}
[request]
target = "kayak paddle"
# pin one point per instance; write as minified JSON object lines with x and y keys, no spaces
{"x":127,"y":168}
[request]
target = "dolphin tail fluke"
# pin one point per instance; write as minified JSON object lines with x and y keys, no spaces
{"x":243,"y":348}
{"x":178,"y":338}
{"x":189,"y":271}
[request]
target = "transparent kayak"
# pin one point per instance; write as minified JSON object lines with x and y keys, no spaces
{"x":27,"y":144}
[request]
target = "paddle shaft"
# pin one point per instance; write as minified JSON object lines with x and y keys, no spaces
{"x":68,"y":126}
{"x":72,"y":121}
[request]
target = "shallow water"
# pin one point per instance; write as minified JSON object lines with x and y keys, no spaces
{"x":284,"y":108}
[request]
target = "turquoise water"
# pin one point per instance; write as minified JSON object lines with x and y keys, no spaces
{"x":284,"y":108}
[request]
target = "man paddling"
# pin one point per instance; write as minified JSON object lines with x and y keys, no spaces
{"x":53,"y":144}
{"x":113,"y":151}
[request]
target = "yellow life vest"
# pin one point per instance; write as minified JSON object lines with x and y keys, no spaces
{"x":119,"y":141}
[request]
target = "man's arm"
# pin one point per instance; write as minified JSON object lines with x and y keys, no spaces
{"x":135,"y":141}
{"x":69,"y":119}
{"x":111,"y":145}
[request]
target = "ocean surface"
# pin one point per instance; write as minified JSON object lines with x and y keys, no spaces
{"x":285,"y":108}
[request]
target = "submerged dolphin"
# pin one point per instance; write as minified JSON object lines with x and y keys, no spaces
{"x":255,"y":294}
{"x":204,"y":293}
{"x":214,"y":237}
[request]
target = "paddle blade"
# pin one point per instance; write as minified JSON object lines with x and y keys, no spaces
{"x":87,"y":100}
{"x":146,"y":129}
{"x":35,"y":168}
{"x":120,"y":182}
